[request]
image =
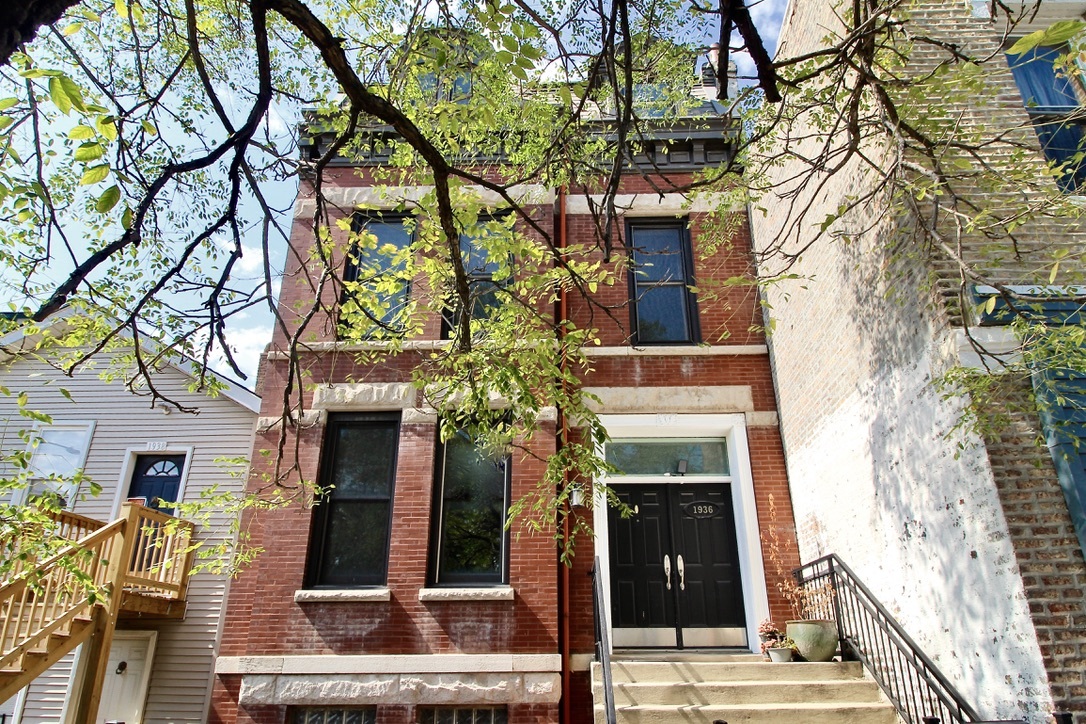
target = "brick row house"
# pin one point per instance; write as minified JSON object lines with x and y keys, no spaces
{"x":975,"y":538}
{"x":400,"y":596}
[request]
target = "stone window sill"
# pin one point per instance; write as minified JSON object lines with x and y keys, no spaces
{"x":347,"y":595}
{"x":497,"y":593}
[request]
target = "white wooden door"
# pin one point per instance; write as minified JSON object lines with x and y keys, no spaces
{"x":127,"y":675}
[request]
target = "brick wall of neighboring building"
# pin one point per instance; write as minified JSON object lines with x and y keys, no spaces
{"x":878,"y":472}
{"x":1045,"y":545}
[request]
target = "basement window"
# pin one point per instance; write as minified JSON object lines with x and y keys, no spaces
{"x":333,"y":715}
{"x":449,"y":715}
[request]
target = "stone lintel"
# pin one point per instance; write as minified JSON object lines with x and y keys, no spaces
{"x":364,"y":396}
{"x":673,"y":400}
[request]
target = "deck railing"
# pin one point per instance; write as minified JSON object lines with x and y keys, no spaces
{"x":144,"y":551}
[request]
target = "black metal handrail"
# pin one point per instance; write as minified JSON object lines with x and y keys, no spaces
{"x":869,"y":634}
{"x":603,"y":646}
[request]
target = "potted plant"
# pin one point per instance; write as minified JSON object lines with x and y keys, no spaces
{"x":768,"y":635}
{"x":780,"y":650}
{"x":815,"y":638}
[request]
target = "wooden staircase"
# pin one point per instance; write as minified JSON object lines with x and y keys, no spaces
{"x":740,"y":689}
{"x":137,"y":563}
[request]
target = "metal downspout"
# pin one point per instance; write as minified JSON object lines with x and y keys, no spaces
{"x":563,"y":436}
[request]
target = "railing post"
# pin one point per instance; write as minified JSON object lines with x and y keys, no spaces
{"x":1064,"y":717}
{"x":835,"y":592}
{"x":96,"y":656}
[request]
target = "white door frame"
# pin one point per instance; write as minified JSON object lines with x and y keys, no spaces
{"x":129,"y":464}
{"x":733,"y":429}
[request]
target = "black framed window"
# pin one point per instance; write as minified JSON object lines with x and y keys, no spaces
{"x":663,"y":309}
{"x":349,"y":544}
{"x":368,"y":304}
{"x":471,"y":502}
{"x":484,"y":289}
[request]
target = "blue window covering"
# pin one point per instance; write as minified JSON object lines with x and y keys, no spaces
{"x":1049,"y":97}
{"x":1061,"y":140}
{"x":1062,"y":397}
{"x":1040,"y":85}
{"x":1061,"y":403}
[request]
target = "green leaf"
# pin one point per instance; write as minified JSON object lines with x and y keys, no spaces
{"x":1028,"y":42}
{"x":148,"y":127}
{"x":107,"y":126}
{"x":1060,"y":32}
{"x":59,"y":95}
{"x":72,"y":28}
{"x":66,"y":94}
{"x":121,"y":7}
{"x":94,"y":174}
{"x":38,"y":73}
{"x":81,"y":133}
{"x":66,"y":393}
{"x":6,"y":121}
{"x":126,"y":219}
{"x":90,"y":151}
{"x":989,"y":306}
{"x":6,"y":103}
{"x":108,"y":199}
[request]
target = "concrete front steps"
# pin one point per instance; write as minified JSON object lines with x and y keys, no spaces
{"x":739,"y":689}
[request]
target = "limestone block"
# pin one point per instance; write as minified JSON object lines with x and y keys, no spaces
{"x":359,"y":396}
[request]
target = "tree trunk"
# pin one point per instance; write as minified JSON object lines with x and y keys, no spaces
{"x":20,"y":21}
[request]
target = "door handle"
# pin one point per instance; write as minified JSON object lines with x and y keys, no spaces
{"x":682,"y":571}
{"x":667,"y":570}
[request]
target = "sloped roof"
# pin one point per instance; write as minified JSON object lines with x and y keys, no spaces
{"x":22,"y":340}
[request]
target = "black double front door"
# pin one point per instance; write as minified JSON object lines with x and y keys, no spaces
{"x":675,"y":567}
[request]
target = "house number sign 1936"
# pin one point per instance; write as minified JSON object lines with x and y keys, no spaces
{"x":701,"y":509}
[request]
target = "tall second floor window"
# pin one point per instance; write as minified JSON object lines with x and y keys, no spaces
{"x":1051,"y":99}
{"x":484,"y":284}
{"x":376,"y":276}
{"x":470,"y":540}
{"x":349,"y":542}
{"x":664,"y":310}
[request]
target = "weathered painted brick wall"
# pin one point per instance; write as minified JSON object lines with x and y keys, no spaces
{"x":877,"y":473}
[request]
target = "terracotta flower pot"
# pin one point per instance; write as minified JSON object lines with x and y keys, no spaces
{"x":815,"y":639}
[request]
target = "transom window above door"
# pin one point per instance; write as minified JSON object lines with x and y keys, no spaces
{"x":668,"y":457}
{"x":156,"y":481}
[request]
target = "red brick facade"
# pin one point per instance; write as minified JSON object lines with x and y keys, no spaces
{"x":263,"y":619}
